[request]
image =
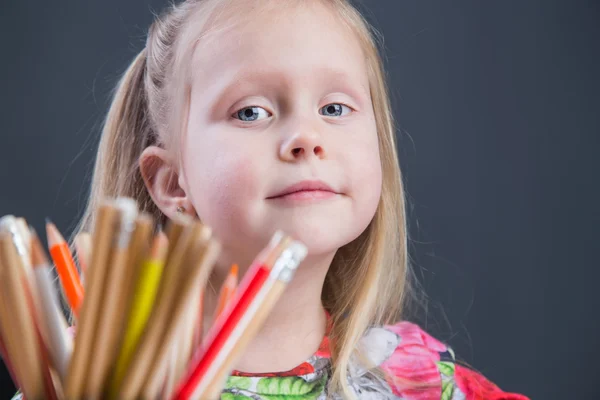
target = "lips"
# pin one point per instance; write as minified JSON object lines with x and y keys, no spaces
{"x":305,"y":186}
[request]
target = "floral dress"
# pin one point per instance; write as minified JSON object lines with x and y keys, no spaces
{"x":417,"y":366}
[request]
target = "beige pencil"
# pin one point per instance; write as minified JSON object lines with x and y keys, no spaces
{"x":118,"y":279}
{"x":20,"y":236}
{"x":287,"y":260}
{"x":60,"y":343}
{"x":83,"y":248}
{"x":178,"y":353}
{"x":106,"y":225}
{"x":10,"y":334}
{"x":204,"y":255}
{"x":213,"y":391}
{"x":33,"y":378}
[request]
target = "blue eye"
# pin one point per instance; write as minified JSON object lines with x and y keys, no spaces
{"x":250,"y":114}
{"x":334,"y":110}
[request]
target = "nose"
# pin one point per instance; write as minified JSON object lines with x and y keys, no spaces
{"x":301,"y":145}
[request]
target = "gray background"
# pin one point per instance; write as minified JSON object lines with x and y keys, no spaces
{"x":498,"y":108}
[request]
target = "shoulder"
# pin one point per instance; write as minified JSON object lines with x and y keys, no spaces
{"x":418,"y":366}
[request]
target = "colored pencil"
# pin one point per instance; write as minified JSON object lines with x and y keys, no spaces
{"x":241,"y":320}
{"x":139,"y":324}
{"x":83,"y":246}
{"x":106,"y":226}
{"x":227,"y":290}
{"x":115,"y":300}
{"x":65,"y":266}
{"x":143,"y":302}
{"x":60,"y":342}
{"x":29,"y":356}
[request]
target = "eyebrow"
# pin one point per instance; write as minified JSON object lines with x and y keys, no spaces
{"x":276,"y":78}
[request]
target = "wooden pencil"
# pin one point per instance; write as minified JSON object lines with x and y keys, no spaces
{"x":22,"y":320}
{"x":227,"y":290}
{"x":20,"y":236}
{"x":177,"y":359}
{"x":106,"y":226}
{"x":235,"y":319}
{"x":23,"y":230}
{"x":281,"y":273}
{"x":116,"y":296}
{"x":199,"y":262}
{"x":178,"y":339}
{"x":60,"y":343}
{"x":4,"y":356}
{"x":10,"y":336}
{"x":83,"y":248}
{"x":215,"y":387}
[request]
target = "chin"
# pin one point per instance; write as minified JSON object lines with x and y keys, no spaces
{"x":321,"y":239}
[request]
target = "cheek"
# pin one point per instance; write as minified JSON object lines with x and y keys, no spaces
{"x":222,"y":180}
{"x":368,"y":182}
{"x":364,"y":170}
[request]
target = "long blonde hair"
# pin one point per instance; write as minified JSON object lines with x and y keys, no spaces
{"x":367,"y":281}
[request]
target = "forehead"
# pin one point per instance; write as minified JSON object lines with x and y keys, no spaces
{"x":296,"y":41}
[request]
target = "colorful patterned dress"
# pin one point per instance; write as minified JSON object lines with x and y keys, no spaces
{"x":418,"y":367}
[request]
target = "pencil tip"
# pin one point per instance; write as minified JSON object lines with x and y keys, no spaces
{"x":38,"y":257}
{"x":53,"y":235}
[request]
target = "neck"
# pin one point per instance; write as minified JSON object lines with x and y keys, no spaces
{"x":295,"y":326}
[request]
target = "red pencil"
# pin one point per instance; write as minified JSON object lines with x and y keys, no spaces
{"x":248,"y":309}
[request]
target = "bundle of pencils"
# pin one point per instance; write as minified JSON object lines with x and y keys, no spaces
{"x":138,"y":312}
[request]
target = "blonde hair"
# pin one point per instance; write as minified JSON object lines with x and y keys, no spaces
{"x":367,"y":281}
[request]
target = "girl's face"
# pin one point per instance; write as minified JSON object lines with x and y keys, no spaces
{"x":279,"y":100}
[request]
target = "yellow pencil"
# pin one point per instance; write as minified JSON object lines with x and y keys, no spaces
{"x":141,"y":307}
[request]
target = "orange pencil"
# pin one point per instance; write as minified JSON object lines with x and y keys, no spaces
{"x":227,"y":290}
{"x":65,"y":266}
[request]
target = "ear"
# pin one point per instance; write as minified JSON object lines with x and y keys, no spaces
{"x":162,"y":180}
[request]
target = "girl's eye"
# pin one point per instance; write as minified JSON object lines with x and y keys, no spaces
{"x":250,"y":114}
{"x":335,"y":110}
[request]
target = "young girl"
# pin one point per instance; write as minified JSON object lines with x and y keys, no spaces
{"x":258,"y":115}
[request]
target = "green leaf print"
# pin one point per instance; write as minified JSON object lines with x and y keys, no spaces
{"x":446,"y":368}
{"x":282,"y":388}
{"x":240,"y":382}
{"x":447,"y":390}
{"x":231,"y":396}
{"x":289,"y":385}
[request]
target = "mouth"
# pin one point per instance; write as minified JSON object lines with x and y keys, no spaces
{"x":306,"y":190}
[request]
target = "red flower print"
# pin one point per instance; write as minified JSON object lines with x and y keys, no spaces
{"x":476,"y":387}
{"x":412,"y":368}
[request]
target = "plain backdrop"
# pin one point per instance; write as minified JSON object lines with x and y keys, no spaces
{"x":497,"y":104}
